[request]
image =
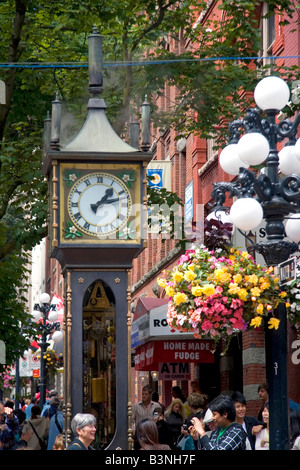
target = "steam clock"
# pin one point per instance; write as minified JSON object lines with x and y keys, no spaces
{"x":97,"y":193}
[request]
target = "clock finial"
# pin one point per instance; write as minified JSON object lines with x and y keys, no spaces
{"x":95,"y":62}
{"x":145,"y":121}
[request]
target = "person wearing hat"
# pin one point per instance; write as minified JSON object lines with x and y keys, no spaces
{"x":56,"y":423}
{"x":47,"y":405}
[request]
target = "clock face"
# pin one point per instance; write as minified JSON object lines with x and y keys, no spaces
{"x":99,"y":204}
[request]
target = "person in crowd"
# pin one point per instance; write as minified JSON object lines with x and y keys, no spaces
{"x":26,"y":403}
{"x":195,"y":403}
{"x":40,"y":427}
{"x":209,"y":426}
{"x":53,"y":407}
{"x":2,"y":414}
{"x":262,"y":438}
{"x":294,"y":429}
{"x":22,"y":419}
{"x":8,"y":428}
{"x":29,"y":407}
{"x":195,"y":387}
{"x":83,"y":426}
{"x":155,"y":398}
{"x":145,"y":407}
{"x":147,"y":435}
{"x":56,"y":425}
{"x":165,"y":434}
{"x":228,"y":434}
{"x":47,"y":405}
{"x":175,"y":417}
{"x":59,"y":443}
{"x":246,"y":421}
{"x":263,"y":393}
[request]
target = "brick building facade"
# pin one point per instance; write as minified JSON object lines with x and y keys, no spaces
{"x":193,"y":160}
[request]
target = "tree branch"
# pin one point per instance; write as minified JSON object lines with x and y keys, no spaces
{"x":14,"y":55}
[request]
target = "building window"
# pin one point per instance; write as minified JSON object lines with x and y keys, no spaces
{"x":267,"y":28}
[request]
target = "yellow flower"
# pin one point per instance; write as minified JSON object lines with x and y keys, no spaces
{"x":191,"y":267}
{"x":162,"y":282}
{"x":273,"y":323}
{"x":209,"y":289}
{"x":177,"y":276}
{"x":256,"y":322}
{"x":189,"y":276}
{"x":282,"y":294}
{"x":221,"y":275}
{"x":252,"y":279}
{"x":233,"y":289}
{"x":170,"y":291}
{"x":197,"y":291}
{"x":237,"y":278}
{"x":255,"y":291}
{"x":245,"y":255}
{"x":260,"y":309}
{"x":264,"y":284}
{"x":242,"y":293}
{"x":180,"y":298}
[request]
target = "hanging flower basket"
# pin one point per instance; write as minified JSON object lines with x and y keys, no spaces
{"x":216,"y":294}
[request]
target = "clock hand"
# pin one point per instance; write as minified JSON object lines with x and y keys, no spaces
{"x":109,"y":192}
{"x":108,"y":201}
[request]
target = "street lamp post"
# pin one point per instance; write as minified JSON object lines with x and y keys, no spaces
{"x":46,"y":315}
{"x":273,"y":194}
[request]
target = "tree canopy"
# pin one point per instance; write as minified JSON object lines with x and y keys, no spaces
{"x":44,"y":50}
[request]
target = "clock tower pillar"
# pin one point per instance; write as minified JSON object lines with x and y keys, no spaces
{"x":97,"y":226}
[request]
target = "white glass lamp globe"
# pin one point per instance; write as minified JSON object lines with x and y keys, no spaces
{"x":52,"y":316}
{"x":297,"y":149}
{"x":57,"y":336}
{"x":230,"y":161}
{"x":271,"y":93}
{"x":246,"y":213}
{"x":288,"y":161}
{"x":36,"y":314}
{"x":292,"y":228}
{"x":45,"y":298}
{"x":253,"y":148}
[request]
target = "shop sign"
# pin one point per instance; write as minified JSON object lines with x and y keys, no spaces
{"x":159,"y":325}
{"x":149,"y":355}
{"x":174,"y":371}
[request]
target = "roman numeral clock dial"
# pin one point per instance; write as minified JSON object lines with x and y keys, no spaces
{"x":98,"y":204}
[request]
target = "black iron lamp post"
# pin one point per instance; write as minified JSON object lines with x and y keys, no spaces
{"x":46,"y":315}
{"x":271,"y":194}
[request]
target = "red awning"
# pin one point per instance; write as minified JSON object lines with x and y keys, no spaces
{"x":149,"y":355}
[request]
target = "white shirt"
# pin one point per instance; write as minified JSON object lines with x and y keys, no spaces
{"x":263,"y":434}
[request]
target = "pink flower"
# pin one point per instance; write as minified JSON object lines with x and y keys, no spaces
{"x":206,"y":325}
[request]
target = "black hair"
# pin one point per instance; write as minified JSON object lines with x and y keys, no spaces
{"x":238,"y":397}
{"x":294,"y":425}
{"x":9,"y":404}
{"x":223,"y":404}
